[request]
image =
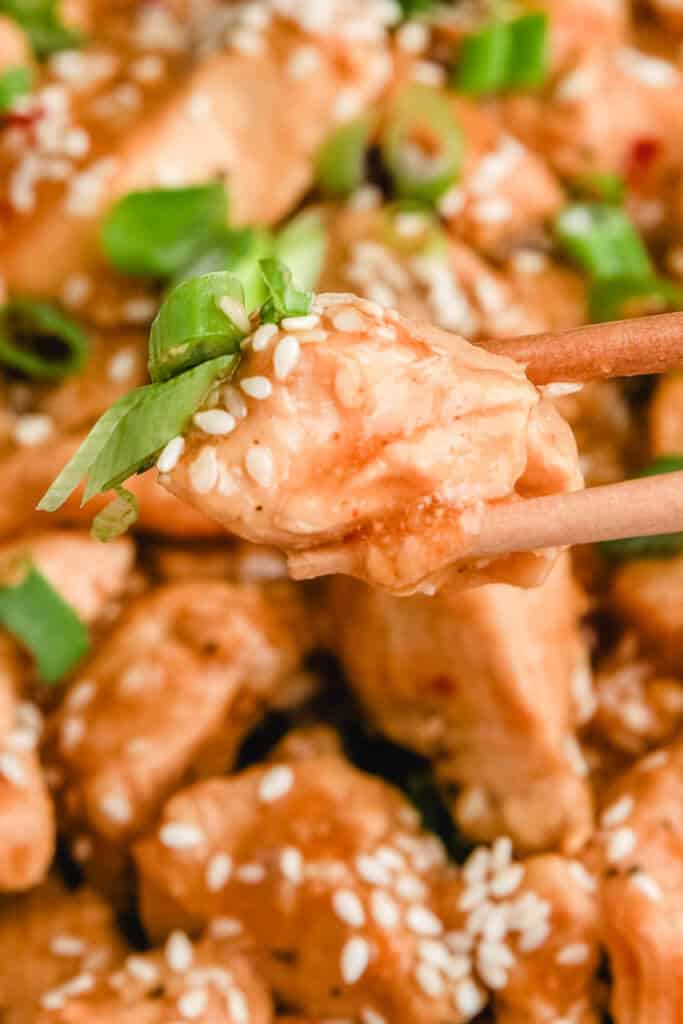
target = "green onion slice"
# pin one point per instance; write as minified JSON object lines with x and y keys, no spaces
{"x":602,"y":186}
{"x":412,"y":229}
{"x":239,"y":252}
{"x":409,"y":8}
{"x":302,"y":246}
{"x":116,"y":517}
{"x":423,"y":144}
{"x":39,"y":340}
{"x":620,"y":298}
{"x":663,"y":546}
{"x":41,"y":22}
{"x":201,"y":319}
{"x":505,"y":55}
{"x":14,"y":83}
{"x":283,"y":298}
{"x":128,"y":438}
{"x":39,"y":618}
{"x":340,"y":161}
{"x":158,"y":232}
{"x":603,"y":241}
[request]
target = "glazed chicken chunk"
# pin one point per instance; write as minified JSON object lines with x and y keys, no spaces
{"x":363,"y":443}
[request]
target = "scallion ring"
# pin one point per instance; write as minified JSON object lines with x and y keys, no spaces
{"x":37,"y":339}
{"x":239,"y":252}
{"x":340,"y":161}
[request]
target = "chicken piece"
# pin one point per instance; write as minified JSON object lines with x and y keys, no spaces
{"x":208,"y":982}
{"x":669,"y":13}
{"x":139,"y":124}
{"x":498,"y":719}
{"x":646,"y":594}
{"x":640,"y":848}
{"x":238,"y":563}
{"x":27,"y":824}
{"x":168,"y":698}
{"x":14,"y":48}
{"x":374,"y":448}
{"x":48,"y":937}
{"x":527,"y":930}
{"x":608,"y":435}
{"x":322,"y":872}
{"x":666,"y":416}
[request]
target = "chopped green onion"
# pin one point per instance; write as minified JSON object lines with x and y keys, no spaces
{"x":409,"y":8}
{"x":14,"y":83}
{"x":340,"y":161}
{"x":302,"y":246}
{"x":423,"y":144}
{"x":116,"y":517}
{"x":42,"y":24}
{"x":619,"y":298}
{"x":40,"y":341}
{"x":128,"y":438}
{"x":412,"y":229}
{"x":283,"y":298}
{"x":505,"y":55}
{"x":39,"y":618}
{"x":201,"y":319}
{"x":603,"y":241}
{"x":663,"y":546}
{"x":602,"y":186}
{"x":238,"y":252}
{"x":158,"y":232}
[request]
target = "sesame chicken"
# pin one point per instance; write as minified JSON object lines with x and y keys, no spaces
{"x":374,"y":449}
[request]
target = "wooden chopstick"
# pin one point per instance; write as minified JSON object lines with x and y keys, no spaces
{"x":623,"y":348}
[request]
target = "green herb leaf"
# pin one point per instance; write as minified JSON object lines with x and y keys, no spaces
{"x":662,"y":546}
{"x":14,"y":83}
{"x":423,"y":145}
{"x":39,"y":340}
{"x":192,"y":325}
{"x":158,"y":232}
{"x":619,"y":298}
{"x":238,"y":252}
{"x":505,"y":56}
{"x":603,"y":241}
{"x":283,"y":298}
{"x":340,"y":161}
{"x":42,"y":621}
{"x":302,"y":246}
{"x":116,"y":517}
{"x":41,"y":22}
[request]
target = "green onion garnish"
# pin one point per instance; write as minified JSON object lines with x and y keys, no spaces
{"x":116,"y":517}
{"x":33,"y":611}
{"x":39,"y":340}
{"x":238,"y":252}
{"x":603,"y":241}
{"x":340,"y":161}
{"x":201,"y":319}
{"x":14,"y":83}
{"x":41,"y":22}
{"x":128,"y":438}
{"x":663,"y":546}
{"x":423,"y":144}
{"x":619,"y":298}
{"x":158,"y":232}
{"x":409,"y":8}
{"x":504,"y":56}
{"x":602,"y":186}
{"x":284,"y":299}
{"x":302,"y":246}
{"x":412,"y":229}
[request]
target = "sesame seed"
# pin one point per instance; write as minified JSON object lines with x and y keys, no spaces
{"x":82,"y":849}
{"x":199,"y":106}
{"x":215,"y":422}
{"x":470,"y":1000}
{"x":507,"y":881}
{"x":286,"y":357}
{"x":533,"y":938}
{"x":250,"y":874}
{"x":259,"y":465}
{"x":300,"y":323}
{"x":67,"y":945}
{"x":428,"y":73}
{"x":355,"y":957}
{"x":257,"y":387}
{"x":236,"y":312}
{"x":348,"y":321}
{"x":370,"y":1016}
{"x":276,"y":783}
{"x":193,"y":1004}
{"x":234,"y":402}
{"x":384,"y":910}
{"x":391,"y":859}
{"x":237,"y":1006}
{"x":620,"y":844}
{"x":371,"y":870}
{"x":142,"y":970}
{"x":225,"y":927}
{"x":180,"y":836}
{"x":459,"y":942}
{"x":303,"y":62}
{"x":170,"y":456}
{"x":647,"y":885}
{"x":117,"y":807}
{"x":473,"y":896}
{"x":312,"y":337}
{"x":413,"y":37}
{"x":178,"y":952}
{"x":581,"y":876}
{"x":204,"y":471}
{"x":218,"y":871}
{"x":452,"y":202}
{"x":33,"y":429}
{"x":347,"y":104}
{"x":408,"y":887}
{"x":71,"y":733}
{"x":429,"y":980}
{"x":423,"y":921}
{"x":573,"y":954}
{"x":77,"y":290}
{"x":262,"y":337}
{"x":617,"y":813}
{"x":348,"y":908}
{"x":292,"y":865}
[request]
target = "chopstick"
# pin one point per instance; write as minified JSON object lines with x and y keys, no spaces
{"x":623,"y":348}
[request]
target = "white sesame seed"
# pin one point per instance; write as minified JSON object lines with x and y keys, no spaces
{"x":300,"y":323}
{"x":256,"y":387}
{"x":259,"y":465}
{"x":573,"y":954}
{"x":470,"y":1000}
{"x":459,"y":942}
{"x":193,"y":1004}
{"x":77,"y":290}
{"x":473,"y":896}
{"x":452,"y":202}
{"x":33,"y":429}
{"x":647,"y":885}
{"x":71,"y":733}
{"x":508,"y":880}
{"x":67,"y":945}
{"x":303,"y":62}
{"x":348,"y":908}
{"x":477,"y":865}
{"x":204,"y":471}
{"x":82,"y":848}
{"x":199,"y":106}
{"x":178,"y":835}
{"x":12,"y":769}
{"x":170,"y":456}
{"x":371,"y":870}
{"x":238,"y":1007}
{"x":355,"y":957}
{"x":620,"y":844}
{"x":292,"y":865}
{"x":218,"y":871}
{"x":617,"y":813}
{"x":236,"y":312}
{"x":384,"y":910}
{"x":348,"y":321}
{"x":348,"y":104}
{"x":286,"y":357}
{"x":408,"y":887}
{"x":581,"y":876}
{"x":428,"y":73}
{"x":215,"y":422}
{"x":430,"y":980}
{"x":122,"y":365}
{"x":116,"y":806}
{"x":250,"y":874}
{"x":234,"y":402}
{"x":276,"y":783}
{"x":225,"y":927}
{"x":413,"y":37}
{"x":533,"y":938}
{"x":262,"y":337}
{"x":370,"y":1016}
{"x":178,"y":952}
{"x":142,"y":970}
{"x":423,"y":921}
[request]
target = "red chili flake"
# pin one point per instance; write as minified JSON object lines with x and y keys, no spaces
{"x":23,"y":119}
{"x":442,"y":685}
{"x":642,"y":155}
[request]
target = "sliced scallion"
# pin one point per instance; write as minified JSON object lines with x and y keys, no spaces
{"x":504,"y":56}
{"x":37,"y":339}
{"x":602,"y":186}
{"x":284,"y":299}
{"x":663,"y":546}
{"x":14,"y":83}
{"x":158,"y":232}
{"x":116,"y":517}
{"x":42,"y":24}
{"x":422,"y":145}
{"x":340,"y":161}
{"x":618,"y":298}
{"x":238,"y":252}
{"x":33,"y":612}
{"x":302,"y":246}
{"x":603,"y":241}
